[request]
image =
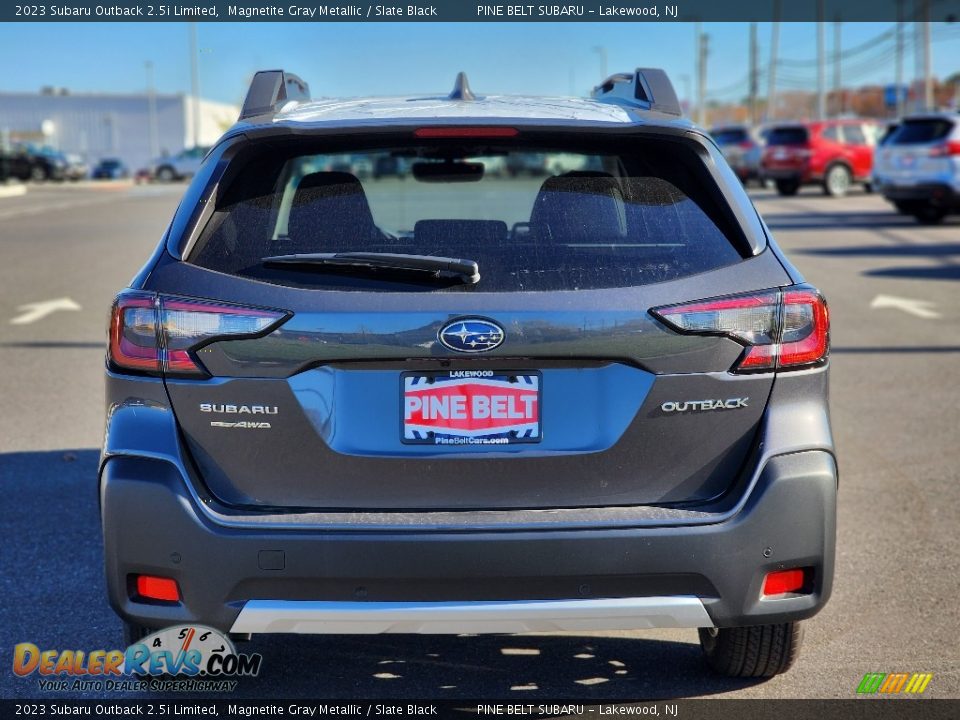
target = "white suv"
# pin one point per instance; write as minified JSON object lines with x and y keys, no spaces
{"x":918,"y":168}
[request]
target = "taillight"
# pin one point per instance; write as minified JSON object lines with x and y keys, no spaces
{"x":947,"y":149}
{"x":133,"y":333}
{"x":781,"y":329}
{"x":156,"y":333}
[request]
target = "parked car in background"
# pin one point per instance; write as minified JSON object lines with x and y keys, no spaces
{"x":110,"y":169}
{"x":33,"y":164}
{"x":180,"y":166}
{"x":742,"y":146}
{"x":885,"y":133}
{"x":389,"y":166}
{"x":832,"y":153}
{"x":36,"y":164}
{"x":533,"y":164}
{"x":918,"y":167}
{"x":77,"y":167}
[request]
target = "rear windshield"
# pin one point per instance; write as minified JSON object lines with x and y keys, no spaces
{"x":531,"y":218}
{"x":787,"y":136}
{"x":730,"y":136}
{"x":917,"y":132}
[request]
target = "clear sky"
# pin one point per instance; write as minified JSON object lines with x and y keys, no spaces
{"x":342,"y":59}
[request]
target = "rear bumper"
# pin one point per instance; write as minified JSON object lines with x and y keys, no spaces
{"x":799,"y":175}
{"x":249,"y":579}
{"x":939,"y":194}
{"x":304,"y":617}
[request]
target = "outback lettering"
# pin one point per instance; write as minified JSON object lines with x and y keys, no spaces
{"x":686,"y":405}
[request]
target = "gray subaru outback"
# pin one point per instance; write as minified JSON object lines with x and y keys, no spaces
{"x":456,"y":399}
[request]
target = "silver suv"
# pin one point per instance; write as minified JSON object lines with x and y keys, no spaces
{"x":177,"y":167}
{"x":918,"y":167}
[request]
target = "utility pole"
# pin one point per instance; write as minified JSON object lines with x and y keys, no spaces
{"x":195,"y":83}
{"x":899,"y":61}
{"x":928,"y":99}
{"x":703,"y":40}
{"x":772,"y":78}
{"x":152,"y":111}
{"x":685,"y":79}
{"x":821,"y":65}
{"x":917,"y":81}
{"x":602,"y":52}
{"x":839,"y":107}
{"x":753,"y":73}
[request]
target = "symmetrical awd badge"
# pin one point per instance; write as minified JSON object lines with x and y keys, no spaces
{"x":471,"y":335}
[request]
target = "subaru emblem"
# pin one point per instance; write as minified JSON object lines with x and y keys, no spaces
{"x":471,"y":335}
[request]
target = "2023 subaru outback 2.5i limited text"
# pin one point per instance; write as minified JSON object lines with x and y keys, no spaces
{"x":464,"y":401}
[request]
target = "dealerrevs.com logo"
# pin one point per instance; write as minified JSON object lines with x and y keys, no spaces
{"x":184,"y":658}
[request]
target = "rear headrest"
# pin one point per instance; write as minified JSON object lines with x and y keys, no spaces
{"x":330,"y":207}
{"x":579,"y":206}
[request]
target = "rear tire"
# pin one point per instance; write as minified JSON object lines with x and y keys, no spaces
{"x":906,"y":207}
{"x":166,"y":174}
{"x":837,"y":181}
{"x":930,"y":215}
{"x":787,"y":187}
{"x":38,"y":173}
{"x":133,"y":633}
{"x":752,"y":652}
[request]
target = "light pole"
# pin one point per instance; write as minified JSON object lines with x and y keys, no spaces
{"x":602,"y":52}
{"x":821,"y":65}
{"x":195,"y":83}
{"x":928,"y":99}
{"x":774,"y":48}
{"x":685,"y":79}
{"x":152,"y":111}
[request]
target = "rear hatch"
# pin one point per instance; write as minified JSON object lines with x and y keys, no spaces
{"x":920,"y":151}
{"x":734,"y":142}
{"x":787,"y":149}
{"x":453,"y":339}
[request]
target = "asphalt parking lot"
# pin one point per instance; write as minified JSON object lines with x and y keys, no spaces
{"x":894,"y":293}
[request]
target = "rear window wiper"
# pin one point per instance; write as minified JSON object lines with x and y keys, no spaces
{"x":430,"y":266}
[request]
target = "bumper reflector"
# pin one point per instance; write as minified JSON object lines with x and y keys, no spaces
{"x":152,"y":587}
{"x":786,"y":581}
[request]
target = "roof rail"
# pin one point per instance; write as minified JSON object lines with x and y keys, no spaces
{"x":647,"y":88}
{"x":270,"y":90}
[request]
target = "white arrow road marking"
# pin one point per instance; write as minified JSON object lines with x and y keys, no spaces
{"x":919,"y":308}
{"x":31,"y":312}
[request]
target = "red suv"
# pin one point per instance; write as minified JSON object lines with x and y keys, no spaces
{"x":832,"y":153}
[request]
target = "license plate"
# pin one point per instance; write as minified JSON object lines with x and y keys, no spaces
{"x":470,"y":407}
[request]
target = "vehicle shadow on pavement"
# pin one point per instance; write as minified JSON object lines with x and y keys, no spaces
{"x":510,"y":667}
{"x":900,"y":250}
{"x":940,"y":252}
{"x":947,"y":272}
{"x":54,"y":595}
{"x":842,"y":220}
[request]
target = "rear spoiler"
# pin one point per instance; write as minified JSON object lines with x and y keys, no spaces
{"x":646,"y":88}
{"x":270,"y":90}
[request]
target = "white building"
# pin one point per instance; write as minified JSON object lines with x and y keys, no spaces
{"x":99,"y":125}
